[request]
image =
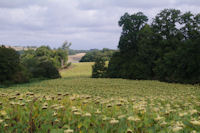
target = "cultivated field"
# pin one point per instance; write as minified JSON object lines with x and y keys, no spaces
{"x":77,"y":103}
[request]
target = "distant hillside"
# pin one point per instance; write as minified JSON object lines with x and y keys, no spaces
{"x":21,"y":48}
{"x":75,"y":58}
{"x":74,"y":52}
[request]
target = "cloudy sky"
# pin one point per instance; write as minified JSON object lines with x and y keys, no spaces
{"x":86,"y":23}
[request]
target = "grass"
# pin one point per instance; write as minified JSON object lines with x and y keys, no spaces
{"x":82,"y":104}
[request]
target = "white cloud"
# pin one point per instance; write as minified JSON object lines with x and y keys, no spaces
{"x":85,"y":23}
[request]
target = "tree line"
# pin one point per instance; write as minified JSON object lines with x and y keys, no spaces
{"x":168,"y":49}
{"x":42,"y":63}
{"x":93,"y":54}
{"x":73,"y":51}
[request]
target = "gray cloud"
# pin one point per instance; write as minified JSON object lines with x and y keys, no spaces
{"x":85,"y":23}
{"x":91,"y":4}
{"x":188,"y":2}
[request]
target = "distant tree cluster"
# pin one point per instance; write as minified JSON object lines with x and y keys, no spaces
{"x":168,"y":49}
{"x":43,"y":62}
{"x":73,"y":52}
{"x":94,"y":54}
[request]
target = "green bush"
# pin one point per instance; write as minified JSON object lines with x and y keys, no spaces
{"x":22,"y":75}
{"x":46,"y":69}
{"x":45,"y":62}
{"x":99,"y":68}
{"x":41,"y":67}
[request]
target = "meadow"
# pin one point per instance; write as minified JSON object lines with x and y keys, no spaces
{"x":78,"y":103}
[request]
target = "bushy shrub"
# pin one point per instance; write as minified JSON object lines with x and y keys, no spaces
{"x":99,"y":68}
{"x":46,"y":69}
{"x":22,"y":75}
{"x":41,"y":67}
{"x":45,"y":62}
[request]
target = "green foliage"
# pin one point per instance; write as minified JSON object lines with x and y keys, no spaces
{"x":42,"y":63}
{"x":8,"y":63}
{"x":166,"y":50}
{"x":131,"y":25}
{"x":45,"y":62}
{"x":11,"y":71}
{"x":46,"y":69}
{"x":92,"y":55}
{"x":61,"y":57}
{"x":43,"y":51}
{"x":99,"y":68}
{"x":115,"y":66}
{"x":73,"y":52}
{"x":58,"y":56}
{"x":62,"y":54}
{"x":22,"y":75}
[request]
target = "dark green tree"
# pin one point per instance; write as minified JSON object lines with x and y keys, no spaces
{"x":165,"y":23}
{"x":167,"y":50}
{"x":190,"y":24}
{"x":11,"y":70}
{"x":131,"y":25}
{"x":128,"y":46}
{"x":168,"y":38}
{"x":115,"y":66}
{"x":9,"y":63}
{"x":147,"y":53}
{"x":99,"y":68}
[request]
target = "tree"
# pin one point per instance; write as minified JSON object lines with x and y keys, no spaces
{"x":165,"y":23}
{"x":167,"y":50}
{"x":66,"y":45}
{"x":128,"y":46}
{"x":99,"y":69}
{"x":62,"y":53}
{"x":131,"y":25}
{"x":11,"y":70}
{"x":168,"y":38}
{"x":44,"y":51}
{"x":147,"y":53}
{"x":43,"y":62}
{"x":190,"y":24}
{"x":9,"y":63}
{"x":115,"y":66}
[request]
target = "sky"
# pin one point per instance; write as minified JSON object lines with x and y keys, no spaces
{"x":87,"y":24}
